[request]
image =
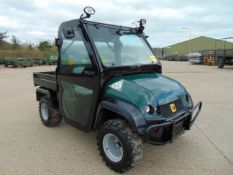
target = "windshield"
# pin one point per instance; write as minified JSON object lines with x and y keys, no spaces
{"x":120,"y":47}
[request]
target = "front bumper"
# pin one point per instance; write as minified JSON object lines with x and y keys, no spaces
{"x":165,"y":131}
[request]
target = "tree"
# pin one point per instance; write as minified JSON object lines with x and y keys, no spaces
{"x":15,"y":42}
{"x":30,"y":47}
{"x":3,"y":35}
{"x":44,"y":45}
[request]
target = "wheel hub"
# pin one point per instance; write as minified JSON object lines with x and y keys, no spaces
{"x":44,"y":111}
{"x":112,"y":147}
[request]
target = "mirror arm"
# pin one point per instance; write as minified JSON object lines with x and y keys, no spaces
{"x":82,"y":17}
{"x":140,"y":29}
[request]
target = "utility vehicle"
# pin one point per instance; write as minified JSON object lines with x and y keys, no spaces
{"x":108,"y":79}
{"x":2,"y":60}
{"x":37,"y":61}
{"x":52,"y":59}
{"x":18,"y":62}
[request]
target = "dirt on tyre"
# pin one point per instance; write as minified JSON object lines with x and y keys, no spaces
{"x":120,"y":148}
{"x":49,"y":113}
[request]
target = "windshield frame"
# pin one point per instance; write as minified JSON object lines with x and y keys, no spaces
{"x":122,"y":67}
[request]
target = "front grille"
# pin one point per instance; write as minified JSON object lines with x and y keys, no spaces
{"x":166,"y":109}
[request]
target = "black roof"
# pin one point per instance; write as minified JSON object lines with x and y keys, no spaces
{"x":76,"y":22}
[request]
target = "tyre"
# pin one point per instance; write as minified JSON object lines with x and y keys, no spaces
{"x":49,"y":114}
{"x":220,"y":63}
{"x":118,"y":145}
{"x":6,"y":65}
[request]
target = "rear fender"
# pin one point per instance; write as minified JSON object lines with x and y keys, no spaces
{"x":42,"y":92}
{"x":123,"y":109}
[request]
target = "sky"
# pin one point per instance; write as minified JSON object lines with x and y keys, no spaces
{"x":37,"y":20}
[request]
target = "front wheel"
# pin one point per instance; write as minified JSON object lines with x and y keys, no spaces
{"x":118,"y":145}
{"x":49,"y":114}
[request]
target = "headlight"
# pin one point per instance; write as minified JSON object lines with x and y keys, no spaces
{"x":149,"y":109}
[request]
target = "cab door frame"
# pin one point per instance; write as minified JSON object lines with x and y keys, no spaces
{"x":89,"y":78}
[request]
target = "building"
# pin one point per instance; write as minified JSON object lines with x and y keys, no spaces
{"x":195,"y":45}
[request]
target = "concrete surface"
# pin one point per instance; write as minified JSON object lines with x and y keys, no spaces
{"x":27,"y":147}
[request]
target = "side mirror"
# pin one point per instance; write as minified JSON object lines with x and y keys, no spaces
{"x":57,"y":42}
{"x":68,"y":32}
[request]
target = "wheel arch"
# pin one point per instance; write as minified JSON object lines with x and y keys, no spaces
{"x":43,"y":92}
{"x":115,"y":108}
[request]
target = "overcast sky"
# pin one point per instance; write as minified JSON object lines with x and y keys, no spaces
{"x":36,"y":20}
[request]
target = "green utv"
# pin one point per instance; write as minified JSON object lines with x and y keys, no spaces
{"x":37,"y":61}
{"x":18,"y":62}
{"x":108,"y":79}
{"x":2,"y":61}
{"x":52,"y":60}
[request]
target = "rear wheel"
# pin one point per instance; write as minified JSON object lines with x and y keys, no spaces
{"x":118,"y":145}
{"x":220,"y":63}
{"x":49,"y":114}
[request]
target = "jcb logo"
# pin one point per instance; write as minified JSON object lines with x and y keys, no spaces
{"x":173,"y":107}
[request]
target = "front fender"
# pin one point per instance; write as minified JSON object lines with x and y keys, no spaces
{"x":125,"y":110}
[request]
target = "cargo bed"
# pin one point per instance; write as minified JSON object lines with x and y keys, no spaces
{"x":45,"y":80}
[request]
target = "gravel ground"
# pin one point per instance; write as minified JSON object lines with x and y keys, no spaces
{"x":27,"y":147}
